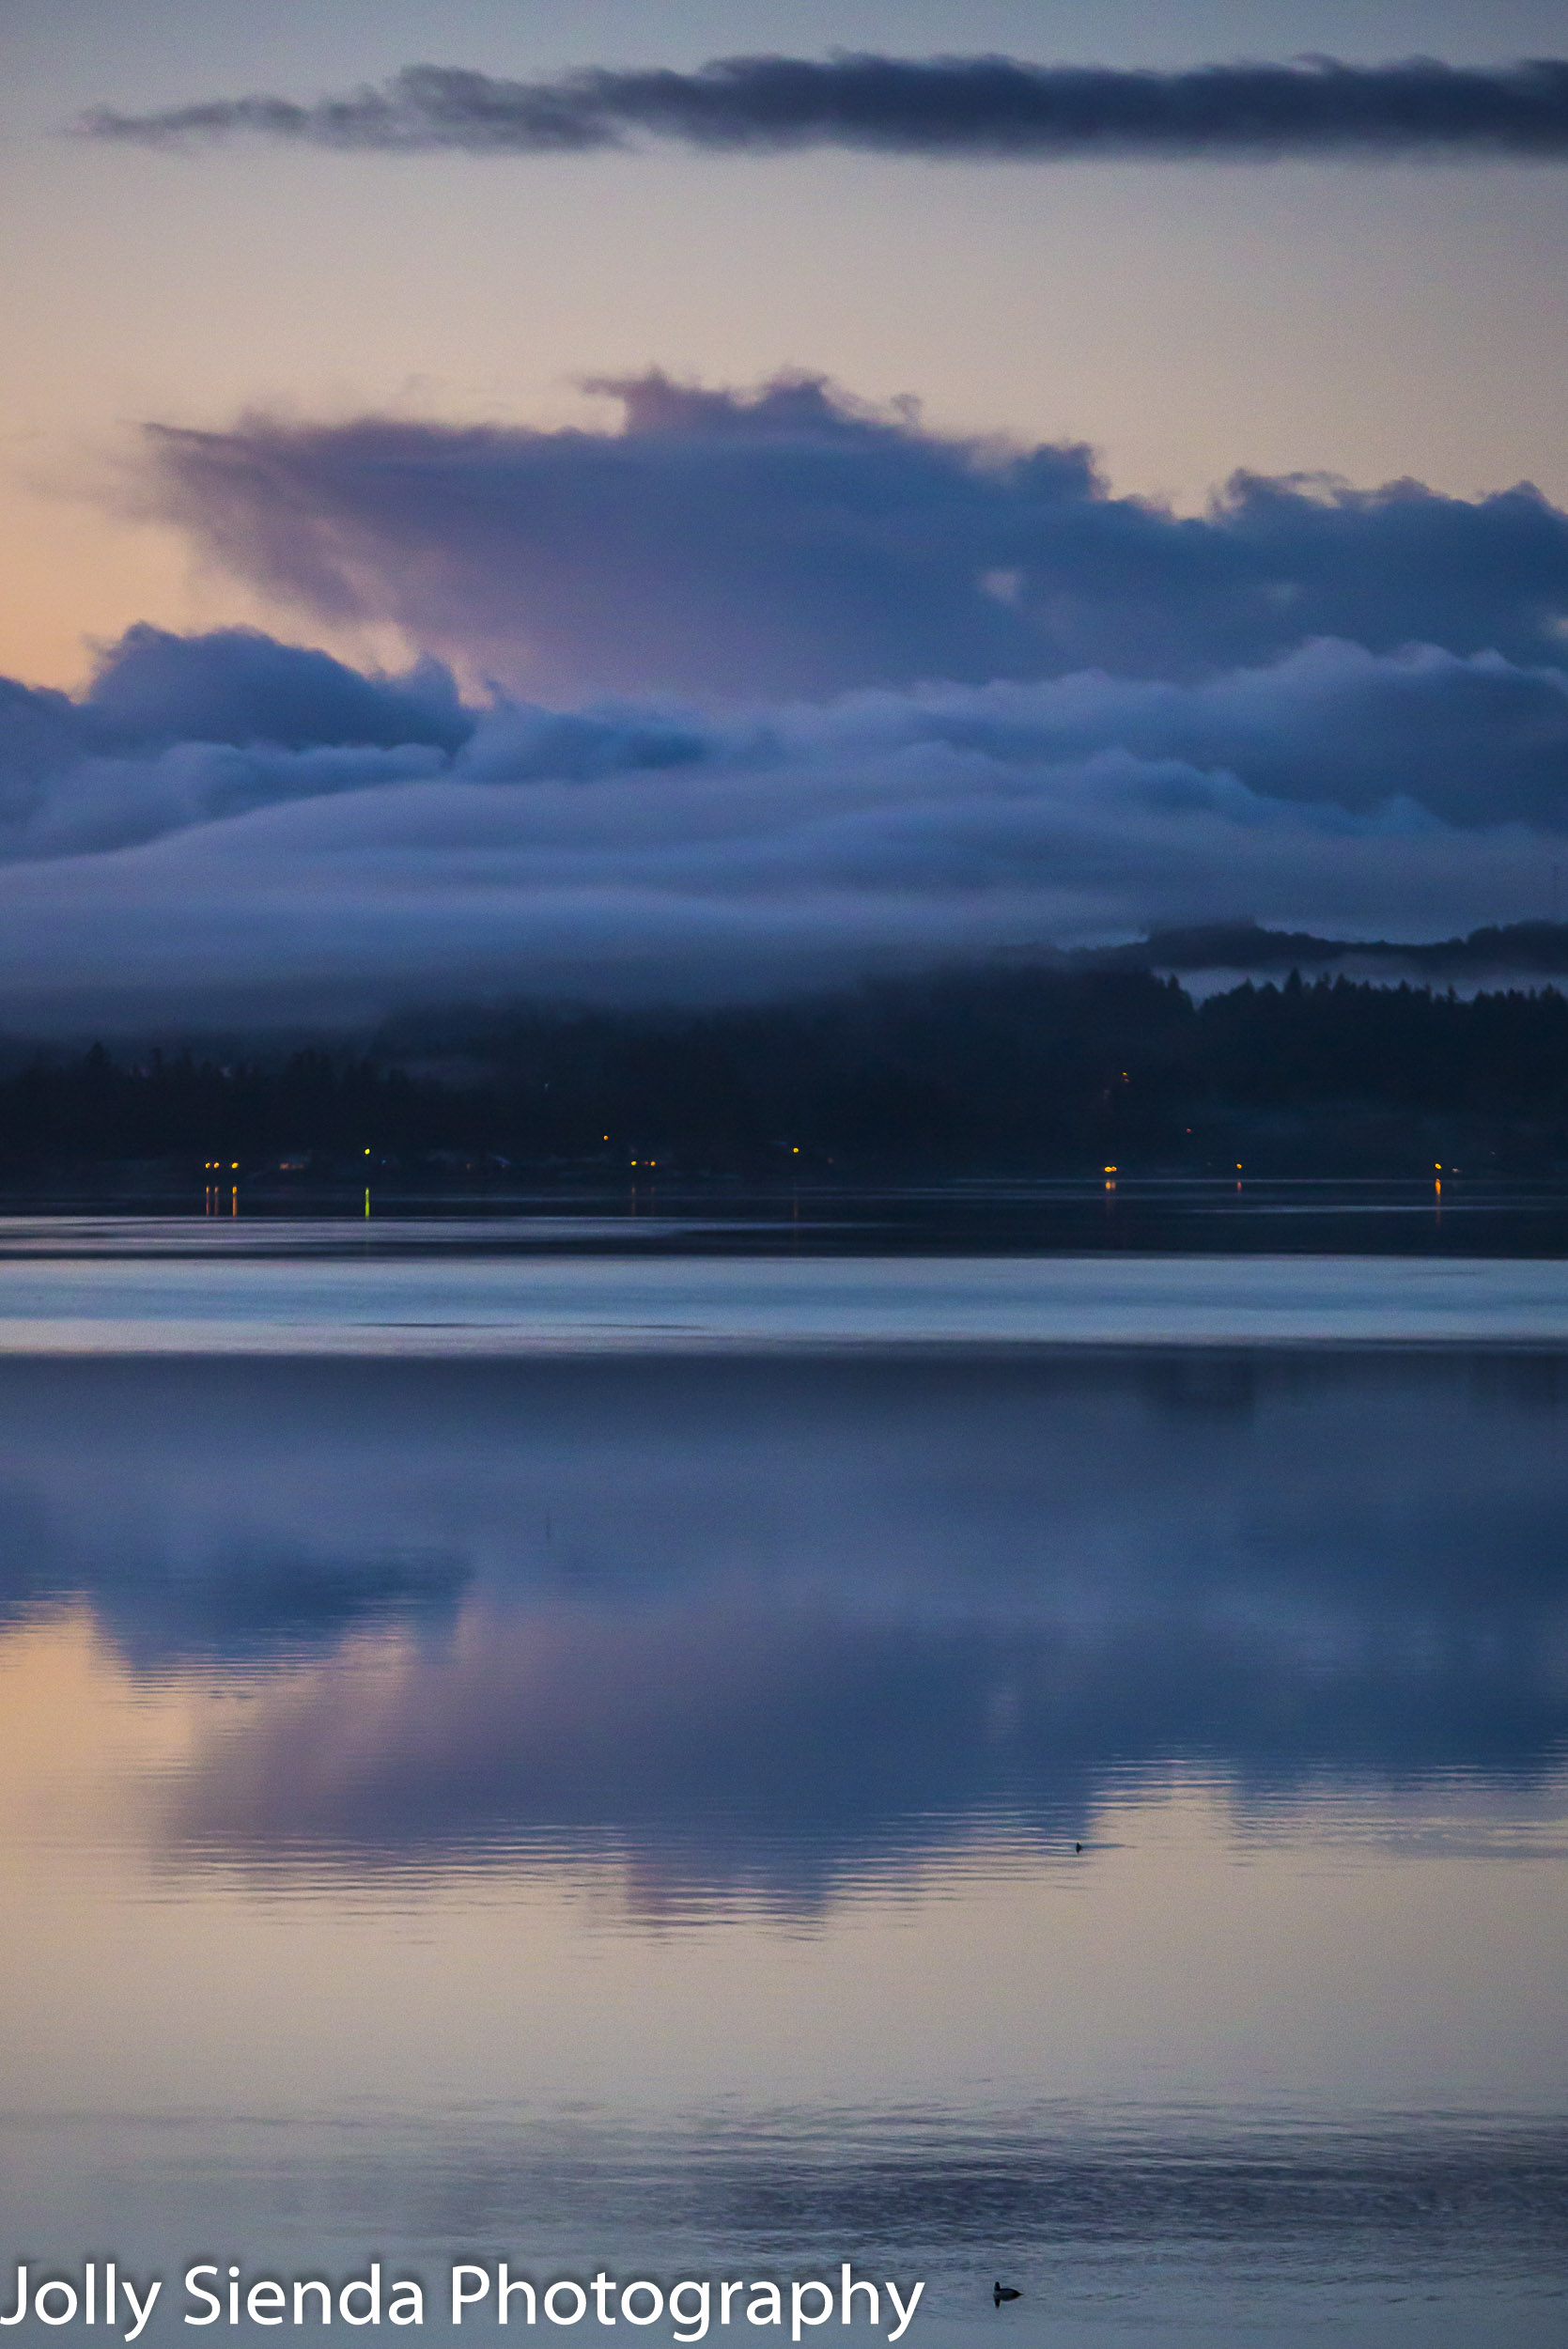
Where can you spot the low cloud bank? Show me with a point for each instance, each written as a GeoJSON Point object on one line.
{"type": "Point", "coordinates": [790, 539]}
{"type": "Point", "coordinates": [227, 827]}
{"type": "Point", "coordinates": [978, 106]}
{"type": "Point", "coordinates": [715, 765]}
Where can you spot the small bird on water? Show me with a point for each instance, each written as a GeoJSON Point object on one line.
{"type": "Point", "coordinates": [1004, 2292]}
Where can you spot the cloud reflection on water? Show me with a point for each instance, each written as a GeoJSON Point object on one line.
{"type": "Point", "coordinates": [775, 1629]}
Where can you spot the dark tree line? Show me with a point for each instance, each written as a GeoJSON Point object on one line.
{"type": "Point", "coordinates": [997, 1069]}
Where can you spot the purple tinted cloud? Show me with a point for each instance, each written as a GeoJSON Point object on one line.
{"type": "Point", "coordinates": [636, 852]}
{"type": "Point", "coordinates": [236, 685]}
{"type": "Point", "coordinates": [976, 106]}
{"type": "Point", "coordinates": [1324, 707]}
{"type": "Point", "coordinates": [791, 540]}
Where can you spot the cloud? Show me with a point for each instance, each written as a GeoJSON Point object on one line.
{"type": "Point", "coordinates": [627, 852]}
{"type": "Point", "coordinates": [177, 730]}
{"type": "Point", "coordinates": [792, 540]}
{"type": "Point", "coordinates": [236, 685]}
{"type": "Point", "coordinates": [978, 106]}
{"type": "Point", "coordinates": [824, 693]}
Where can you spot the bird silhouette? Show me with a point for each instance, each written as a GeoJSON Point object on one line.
{"type": "Point", "coordinates": [1004, 2292]}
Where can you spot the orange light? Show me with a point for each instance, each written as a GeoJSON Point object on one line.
{"type": "Point", "coordinates": [1108, 1169]}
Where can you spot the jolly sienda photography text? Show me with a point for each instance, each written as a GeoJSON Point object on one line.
{"type": "Point", "coordinates": [105, 2294]}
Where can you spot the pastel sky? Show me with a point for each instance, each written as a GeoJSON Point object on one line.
{"type": "Point", "coordinates": [363, 370]}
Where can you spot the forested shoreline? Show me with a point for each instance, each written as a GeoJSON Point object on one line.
{"type": "Point", "coordinates": [1008, 1071]}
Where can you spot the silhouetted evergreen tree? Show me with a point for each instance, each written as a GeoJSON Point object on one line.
{"type": "Point", "coordinates": [1010, 1068]}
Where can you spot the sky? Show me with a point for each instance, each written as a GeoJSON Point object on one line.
{"type": "Point", "coordinates": [578, 522]}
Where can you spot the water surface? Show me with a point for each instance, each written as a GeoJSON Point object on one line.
{"type": "Point", "coordinates": [880, 1773]}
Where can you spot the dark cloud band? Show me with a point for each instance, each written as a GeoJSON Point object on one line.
{"type": "Point", "coordinates": [985, 106]}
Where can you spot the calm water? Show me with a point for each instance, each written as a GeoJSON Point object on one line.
{"type": "Point", "coordinates": [516, 1747]}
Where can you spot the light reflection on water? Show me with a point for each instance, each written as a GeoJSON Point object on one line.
{"type": "Point", "coordinates": [380, 1304]}
{"type": "Point", "coordinates": [619, 1808]}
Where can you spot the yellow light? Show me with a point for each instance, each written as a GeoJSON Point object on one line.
{"type": "Point", "coordinates": [1108, 1169]}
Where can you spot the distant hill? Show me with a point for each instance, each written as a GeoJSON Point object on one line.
{"type": "Point", "coordinates": [1032, 1068]}
{"type": "Point", "coordinates": [1522, 949]}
